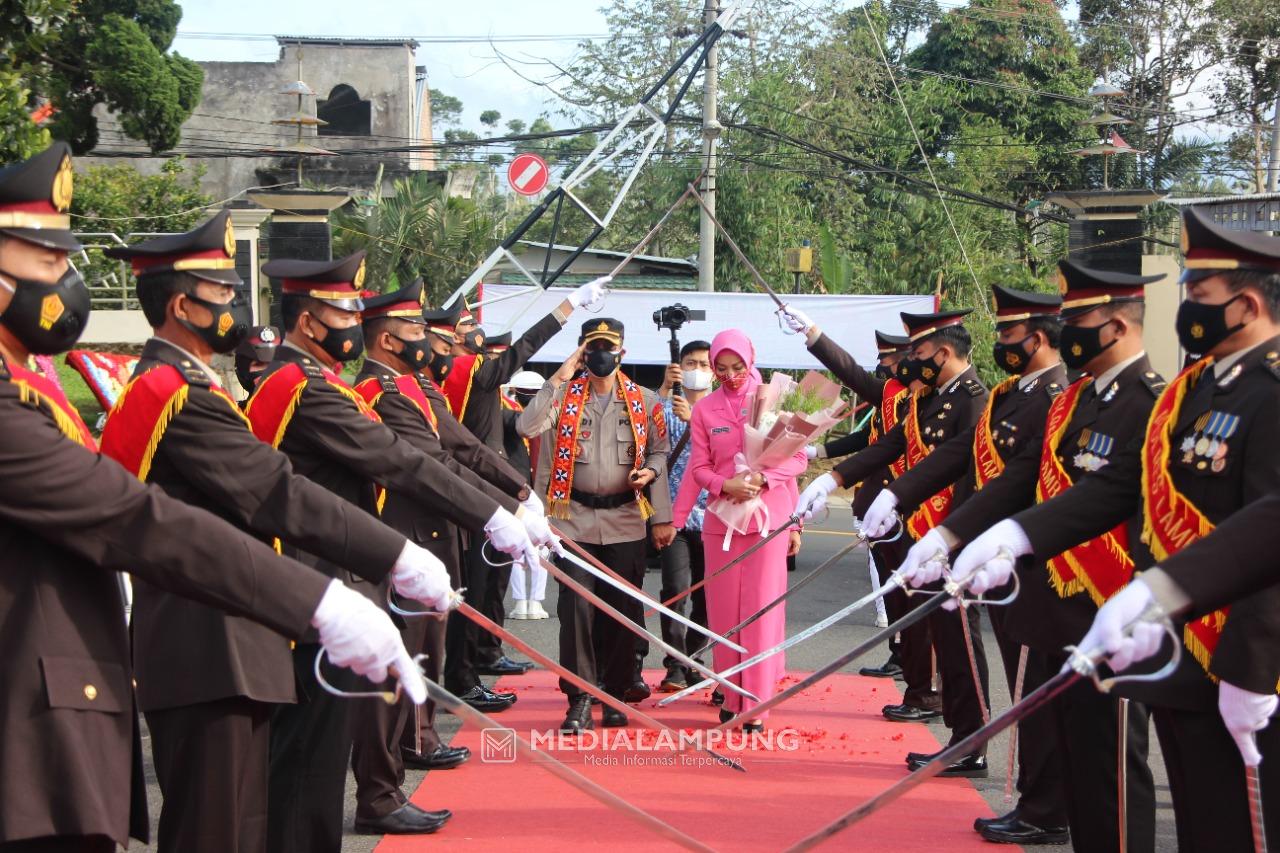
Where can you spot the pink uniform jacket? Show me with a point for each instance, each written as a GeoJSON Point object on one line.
{"type": "Point", "coordinates": [716, 435]}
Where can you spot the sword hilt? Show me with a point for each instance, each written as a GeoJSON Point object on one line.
{"type": "Point", "coordinates": [1085, 662]}
{"type": "Point", "coordinates": [455, 601]}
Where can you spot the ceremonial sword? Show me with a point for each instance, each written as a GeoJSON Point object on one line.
{"type": "Point", "coordinates": [894, 582]}
{"type": "Point", "coordinates": [764, 540]}
{"type": "Point", "coordinates": [552, 765]}
{"type": "Point", "coordinates": [587, 595]}
{"type": "Point", "coordinates": [1079, 665]}
{"type": "Point", "coordinates": [951, 590]}
{"type": "Point", "coordinates": [800, 584]}
{"type": "Point", "coordinates": [594, 567]}
{"type": "Point", "coordinates": [1253, 789]}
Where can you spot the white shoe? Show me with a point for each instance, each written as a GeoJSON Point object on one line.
{"type": "Point", "coordinates": [535, 611]}
{"type": "Point", "coordinates": [520, 611]}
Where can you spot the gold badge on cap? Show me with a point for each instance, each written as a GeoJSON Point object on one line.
{"type": "Point", "coordinates": [422, 297]}
{"type": "Point", "coordinates": [51, 308]}
{"type": "Point", "coordinates": [358, 281]}
{"type": "Point", "coordinates": [225, 322]}
{"type": "Point", "coordinates": [63, 185]}
{"type": "Point", "coordinates": [603, 327]}
{"type": "Point", "coordinates": [229, 240]}
{"type": "Point", "coordinates": [1062, 283]}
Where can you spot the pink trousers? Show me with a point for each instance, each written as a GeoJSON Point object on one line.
{"type": "Point", "coordinates": [737, 594]}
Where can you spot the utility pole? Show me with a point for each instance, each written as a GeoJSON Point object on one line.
{"type": "Point", "coordinates": [710, 140]}
{"type": "Point", "coordinates": [1273, 162]}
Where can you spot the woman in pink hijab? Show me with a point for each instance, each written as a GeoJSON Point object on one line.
{"type": "Point", "coordinates": [716, 434]}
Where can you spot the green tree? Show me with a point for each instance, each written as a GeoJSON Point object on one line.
{"type": "Point", "coordinates": [446, 110]}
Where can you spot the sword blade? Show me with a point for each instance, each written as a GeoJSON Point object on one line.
{"type": "Point", "coordinates": [815, 628]}
{"type": "Point", "coordinates": [1032, 702]}
{"type": "Point", "coordinates": [578, 681]}
{"type": "Point", "coordinates": [764, 540]}
{"type": "Point", "coordinates": [1122, 772]}
{"type": "Point", "coordinates": [630, 590]}
{"type": "Point", "coordinates": [552, 765]}
{"type": "Point", "coordinates": [609, 610]}
{"type": "Point", "coordinates": [1253, 784]}
{"type": "Point", "coordinates": [794, 588]}
{"type": "Point", "coordinates": [844, 660]}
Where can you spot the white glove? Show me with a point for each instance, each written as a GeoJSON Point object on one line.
{"type": "Point", "coordinates": [814, 498]}
{"type": "Point", "coordinates": [878, 519]}
{"type": "Point", "coordinates": [1108, 629]}
{"type": "Point", "coordinates": [533, 503]}
{"type": "Point", "coordinates": [590, 293]}
{"type": "Point", "coordinates": [811, 451]}
{"type": "Point", "coordinates": [1245, 714]}
{"type": "Point", "coordinates": [796, 320]}
{"type": "Point", "coordinates": [420, 575]}
{"type": "Point", "coordinates": [988, 561]}
{"type": "Point", "coordinates": [358, 635]}
{"type": "Point", "coordinates": [926, 560]}
{"type": "Point", "coordinates": [509, 536]}
{"type": "Point", "coordinates": [539, 531]}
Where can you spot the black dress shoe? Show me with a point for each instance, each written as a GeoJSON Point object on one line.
{"type": "Point", "coordinates": [969, 767]}
{"type": "Point", "coordinates": [980, 822]}
{"type": "Point", "coordinates": [504, 666]}
{"type": "Point", "coordinates": [406, 820]}
{"type": "Point", "coordinates": [726, 716]}
{"type": "Point", "coordinates": [579, 717]}
{"type": "Point", "coordinates": [889, 669]}
{"type": "Point", "coordinates": [753, 728]}
{"type": "Point", "coordinates": [637, 691]}
{"type": "Point", "coordinates": [676, 679]}
{"type": "Point", "coordinates": [483, 699]}
{"type": "Point", "coordinates": [1012, 829]}
{"type": "Point", "coordinates": [612, 718]}
{"type": "Point", "coordinates": [717, 698]}
{"type": "Point", "coordinates": [905, 713]}
{"type": "Point", "coordinates": [440, 758]}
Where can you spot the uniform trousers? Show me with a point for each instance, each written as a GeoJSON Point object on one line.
{"type": "Point", "coordinates": [310, 749]}
{"type": "Point", "coordinates": [960, 708]}
{"type": "Point", "coordinates": [1040, 773]}
{"type": "Point", "coordinates": [683, 565]}
{"type": "Point", "coordinates": [418, 732]}
{"type": "Point", "coordinates": [211, 763]}
{"type": "Point", "coordinates": [1206, 778]}
{"type": "Point", "coordinates": [61, 844]}
{"type": "Point", "coordinates": [592, 644]}
{"type": "Point", "coordinates": [1086, 734]}
{"type": "Point", "coordinates": [488, 646]}
{"type": "Point", "coordinates": [462, 635]}
{"type": "Point", "coordinates": [914, 652]}
{"type": "Point", "coordinates": [735, 595]}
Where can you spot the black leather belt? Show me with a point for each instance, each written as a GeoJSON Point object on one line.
{"type": "Point", "coordinates": [602, 501]}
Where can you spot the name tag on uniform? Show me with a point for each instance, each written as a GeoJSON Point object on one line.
{"type": "Point", "coordinates": [718, 430]}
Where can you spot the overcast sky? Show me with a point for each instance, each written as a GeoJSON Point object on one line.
{"type": "Point", "coordinates": [467, 71]}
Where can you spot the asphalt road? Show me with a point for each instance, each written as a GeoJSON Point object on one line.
{"type": "Point", "coordinates": [840, 585]}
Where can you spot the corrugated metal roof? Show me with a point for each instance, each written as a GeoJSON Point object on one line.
{"type": "Point", "coordinates": [1224, 199]}
{"type": "Point", "coordinates": [339, 41]}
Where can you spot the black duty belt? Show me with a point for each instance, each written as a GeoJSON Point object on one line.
{"type": "Point", "coordinates": [602, 501]}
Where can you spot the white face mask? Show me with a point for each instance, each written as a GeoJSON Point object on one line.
{"type": "Point", "coordinates": [697, 380]}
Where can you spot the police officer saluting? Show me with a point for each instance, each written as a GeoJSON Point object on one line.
{"type": "Point", "coordinates": [609, 443]}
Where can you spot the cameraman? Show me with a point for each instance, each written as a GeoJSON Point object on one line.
{"type": "Point", "coordinates": [682, 560]}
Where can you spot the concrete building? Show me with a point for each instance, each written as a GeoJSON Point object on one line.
{"type": "Point", "coordinates": [369, 91]}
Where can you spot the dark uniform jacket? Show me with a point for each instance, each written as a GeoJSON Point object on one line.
{"type": "Point", "coordinates": [483, 415]}
{"type": "Point", "coordinates": [433, 531]}
{"type": "Point", "coordinates": [869, 387]}
{"type": "Point", "coordinates": [1248, 651]}
{"type": "Point", "coordinates": [1242, 553]}
{"type": "Point", "coordinates": [1039, 617]}
{"type": "Point", "coordinates": [185, 652]}
{"type": "Point", "coordinates": [69, 519]}
{"type": "Point", "coordinates": [333, 443]}
{"type": "Point", "coordinates": [1017, 421]}
{"type": "Point", "coordinates": [943, 415]}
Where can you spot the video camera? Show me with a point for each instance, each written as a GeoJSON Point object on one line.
{"type": "Point", "coordinates": [675, 316]}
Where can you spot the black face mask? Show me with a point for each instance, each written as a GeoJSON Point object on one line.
{"type": "Point", "coordinates": [231, 321]}
{"type": "Point", "coordinates": [439, 365]}
{"type": "Point", "coordinates": [925, 370]}
{"type": "Point", "coordinates": [524, 398]}
{"type": "Point", "coordinates": [1013, 358]}
{"type": "Point", "coordinates": [602, 363]}
{"type": "Point", "coordinates": [416, 354]}
{"type": "Point", "coordinates": [1202, 327]}
{"type": "Point", "coordinates": [884, 371]}
{"type": "Point", "coordinates": [1082, 344]}
{"type": "Point", "coordinates": [246, 374]}
{"type": "Point", "coordinates": [47, 319]}
{"type": "Point", "coordinates": [342, 344]}
{"type": "Point", "coordinates": [907, 371]}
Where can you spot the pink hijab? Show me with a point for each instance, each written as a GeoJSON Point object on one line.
{"type": "Point", "coordinates": [737, 342]}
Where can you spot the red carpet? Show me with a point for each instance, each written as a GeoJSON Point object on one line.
{"type": "Point", "coordinates": [841, 753]}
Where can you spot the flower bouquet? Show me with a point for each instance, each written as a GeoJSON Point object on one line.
{"type": "Point", "coordinates": [782, 417]}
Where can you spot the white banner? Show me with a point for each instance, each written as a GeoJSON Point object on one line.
{"type": "Point", "coordinates": [850, 320]}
